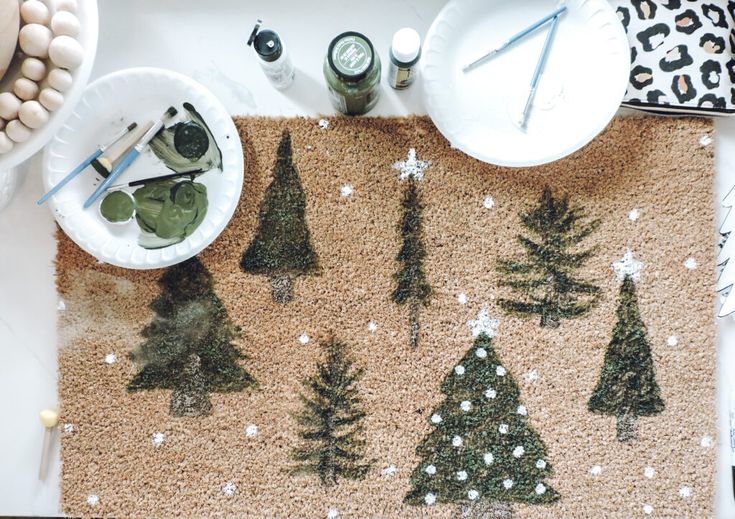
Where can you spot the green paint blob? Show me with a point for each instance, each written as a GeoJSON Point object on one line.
{"type": "Point", "coordinates": [117, 207]}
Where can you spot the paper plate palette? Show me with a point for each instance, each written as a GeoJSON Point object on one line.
{"type": "Point", "coordinates": [109, 104]}
{"type": "Point", "coordinates": [581, 89]}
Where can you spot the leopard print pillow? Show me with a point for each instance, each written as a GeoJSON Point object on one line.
{"type": "Point", "coordinates": [681, 55]}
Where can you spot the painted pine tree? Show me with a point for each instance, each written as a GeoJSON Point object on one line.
{"type": "Point", "coordinates": [545, 277]}
{"type": "Point", "coordinates": [188, 346]}
{"type": "Point", "coordinates": [482, 453]}
{"type": "Point", "coordinates": [332, 437]}
{"type": "Point", "coordinates": [627, 387]}
{"type": "Point", "coordinates": [412, 289]}
{"type": "Point", "coordinates": [282, 247]}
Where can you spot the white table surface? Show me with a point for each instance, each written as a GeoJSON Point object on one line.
{"type": "Point", "coordinates": [206, 40]}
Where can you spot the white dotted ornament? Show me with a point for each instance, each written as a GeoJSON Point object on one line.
{"type": "Point", "coordinates": [372, 327]}
{"type": "Point", "coordinates": [332, 513]}
{"type": "Point", "coordinates": [461, 475]}
{"type": "Point", "coordinates": [596, 470]}
{"type": "Point", "coordinates": [473, 495]}
{"type": "Point", "coordinates": [519, 451]}
{"type": "Point", "coordinates": [488, 458]}
{"type": "Point", "coordinates": [465, 405]}
{"type": "Point", "coordinates": [346, 190]}
{"type": "Point", "coordinates": [491, 393]}
{"type": "Point", "coordinates": [503, 428]}
{"type": "Point", "coordinates": [251, 430]}
{"type": "Point", "coordinates": [429, 499]}
{"type": "Point", "coordinates": [304, 339]}
{"type": "Point", "coordinates": [389, 471]}
{"type": "Point", "coordinates": [93, 500]}
{"type": "Point", "coordinates": [540, 464]}
{"type": "Point", "coordinates": [110, 358]}
{"type": "Point", "coordinates": [488, 203]}
{"type": "Point", "coordinates": [457, 441]}
{"type": "Point", "coordinates": [158, 439]}
{"type": "Point", "coordinates": [685, 492]}
{"type": "Point", "coordinates": [672, 341]}
{"type": "Point", "coordinates": [462, 298]}
{"type": "Point", "coordinates": [459, 370]}
{"type": "Point", "coordinates": [481, 353]}
{"type": "Point", "coordinates": [647, 509]}
{"type": "Point", "coordinates": [508, 483]}
{"type": "Point", "coordinates": [540, 489]}
{"type": "Point", "coordinates": [323, 124]}
{"type": "Point", "coordinates": [436, 418]}
{"type": "Point", "coordinates": [500, 371]}
{"type": "Point", "coordinates": [690, 263]}
{"type": "Point", "coordinates": [522, 410]}
{"type": "Point", "coordinates": [649, 472]}
{"type": "Point", "coordinates": [430, 470]}
{"type": "Point", "coordinates": [634, 214]}
{"type": "Point", "coordinates": [229, 489]}
{"type": "Point", "coordinates": [706, 442]}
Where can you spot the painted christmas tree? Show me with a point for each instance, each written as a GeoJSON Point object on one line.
{"type": "Point", "coordinates": [545, 277]}
{"type": "Point", "coordinates": [282, 247]}
{"type": "Point", "coordinates": [482, 453]}
{"type": "Point", "coordinates": [627, 387]}
{"type": "Point", "coordinates": [188, 345]}
{"type": "Point", "coordinates": [333, 444]}
{"type": "Point", "coordinates": [412, 289]}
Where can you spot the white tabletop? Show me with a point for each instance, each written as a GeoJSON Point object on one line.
{"type": "Point", "coordinates": [206, 40]}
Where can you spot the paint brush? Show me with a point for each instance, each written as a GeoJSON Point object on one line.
{"type": "Point", "coordinates": [516, 37]}
{"type": "Point", "coordinates": [86, 162]}
{"type": "Point", "coordinates": [130, 156]}
{"type": "Point", "coordinates": [143, 181]}
{"type": "Point", "coordinates": [49, 419]}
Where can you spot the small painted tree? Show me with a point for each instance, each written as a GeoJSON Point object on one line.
{"type": "Point", "coordinates": [188, 345]}
{"type": "Point", "coordinates": [282, 247]}
{"type": "Point", "coordinates": [333, 444]}
{"type": "Point", "coordinates": [627, 387]}
{"type": "Point", "coordinates": [545, 276]}
{"type": "Point", "coordinates": [411, 285]}
{"type": "Point", "coordinates": [482, 453]}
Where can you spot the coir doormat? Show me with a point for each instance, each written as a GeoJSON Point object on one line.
{"type": "Point", "coordinates": [389, 328]}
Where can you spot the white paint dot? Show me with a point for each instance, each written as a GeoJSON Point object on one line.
{"type": "Point", "coordinates": [690, 263]}
{"type": "Point", "coordinates": [465, 405]}
{"type": "Point", "coordinates": [540, 489]}
{"type": "Point", "coordinates": [540, 464]}
{"type": "Point", "coordinates": [596, 470]}
{"type": "Point", "coordinates": [706, 442]}
{"type": "Point", "coordinates": [481, 353]}
{"type": "Point", "coordinates": [110, 358]}
{"type": "Point", "coordinates": [649, 472]}
{"type": "Point", "coordinates": [488, 203]}
{"type": "Point", "coordinates": [522, 410]}
{"type": "Point", "coordinates": [309, 147]}
{"type": "Point", "coordinates": [158, 439]}
{"type": "Point", "coordinates": [436, 418]}
{"type": "Point", "coordinates": [672, 341]}
{"type": "Point", "coordinates": [430, 470]}
{"type": "Point", "coordinates": [251, 430]}
{"type": "Point", "coordinates": [60, 305]}
{"type": "Point", "coordinates": [462, 298]}
{"type": "Point", "coordinates": [488, 458]}
{"type": "Point", "coordinates": [93, 500]}
{"type": "Point", "coordinates": [459, 370]}
{"type": "Point", "coordinates": [304, 339]}
{"type": "Point", "coordinates": [503, 428]}
{"type": "Point", "coordinates": [229, 488]}
{"type": "Point", "coordinates": [457, 441]}
{"type": "Point", "coordinates": [519, 451]}
{"type": "Point", "coordinates": [634, 214]}
{"type": "Point", "coordinates": [500, 371]}
{"type": "Point", "coordinates": [461, 475]}
{"type": "Point", "coordinates": [372, 327]}
{"type": "Point", "coordinates": [532, 375]}
{"type": "Point", "coordinates": [473, 494]}
{"type": "Point", "coordinates": [491, 393]}
{"type": "Point", "coordinates": [323, 124]}
{"type": "Point", "coordinates": [705, 140]}
{"type": "Point", "coordinates": [647, 509]}
{"type": "Point", "coordinates": [508, 483]}
{"type": "Point", "coordinates": [429, 499]}
{"type": "Point", "coordinates": [332, 513]}
{"type": "Point", "coordinates": [390, 471]}
{"type": "Point", "coordinates": [685, 491]}
{"type": "Point", "coordinates": [68, 428]}
{"type": "Point", "coordinates": [346, 190]}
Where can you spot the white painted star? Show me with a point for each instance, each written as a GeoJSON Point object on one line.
{"type": "Point", "coordinates": [627, 266]}
{"type": "Point", "coordinates": [251, 430]}
{"type": "Point", "coordinates": [346, 190]}
{"type": "Point", "coordinates": [483, 324]}
{"type": "Point", "coordinates": [229, 488]}
{"type": "Point", "coordinates": [411, 167]}
{"type": "Point", "coordinates": [110, 358]}
{"type": "Point", "coordinates": [488, 203]}
{"type": "Point", "coordinates": [158, 439]}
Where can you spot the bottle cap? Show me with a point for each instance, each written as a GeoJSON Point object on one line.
{"type": "Point", "coordinates": [266, 43]}
{"type": "Point", "coordinates": [351, 56]}
{"type": "Point", "coordinates": [406, 45]}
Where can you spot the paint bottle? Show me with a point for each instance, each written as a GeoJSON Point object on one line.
{"type": "Point", "coordinates": [273, 57]}
{"type": "Point", "coordinates": [352, 72]}
{"type": "Point", "coordinates": [404, 54]}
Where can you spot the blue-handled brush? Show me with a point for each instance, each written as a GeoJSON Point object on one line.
{"type": "Point", "coordinates": [86, 162]}
{"type": "Point", "coordinates": [130, 157]}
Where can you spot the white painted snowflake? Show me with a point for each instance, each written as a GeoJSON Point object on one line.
{"type": "Point", "coordinates": [346, 190]}
{"type": "Point", "coordinates": [596, 470]}
{"type": "Point", "coordinates": [457, 441]}
{"type": "Point", "coordinates": [430, 470]}
{"type": "Point", "coordinates": [706, 442]}
{"type": "Point", "coordinates": [229, 488]}
{"type": "Point", "coordinates": [110, 358]}
{"type": "Point", "coordinates": [304, 339]}
{"type": "Point", "coordinates": [672, 341]}
{"type": "Point", "coordinates": [489, 458]}
{"type": "Point", "coordinates": [540, 464]}
{"type": "Point", "coordinates": [465, 405]}
{"type": "Point", "coordinates": [462, 298]}
{"type": "Point", "coordinates": [627, 266]}
{"type": "Point", "coordinates": [461, 475]}
{"type": "Point", "coordinates": [372, 327]}
{"type": "Point", "coordinates": [481, 353]}
{"type": "Point", "coordinates": [508, 483]}
{"type": "Point", "coordinates": [531, 375]}
{"type": "Point", "coordinates": [690, 263]}
{"type": "Point", "coordinates": [519, 451]}
{"type": "Point", "coordinates": [429, 499]}
{"type": "Point", "coordinates": [436, 418]}
{"type": "Point", "coordinates": [411, 167]}
{"type": "Point", "coordinates": [491, 393]}
{"type": "Point", "coordinates": [500, 371]}
{"type": "Point", "coordinates": [522, 410]}
{"type": "Point", "coordinates": [685, 492]}
{"type": "Point", "coordinates": [68, 428]}
{"type": "Point", "coordinates": [488, 203]}
{"type": "Point", "coordinates": [647, 509]}
{"type": "Point", "coordinates": [483, 324]}
{"type": "Point", "coordinates": [649, 472]}
{"type": "Point", "coordinates": [634, 214]}
{"type": "Point", "coordinates": [158, 439]}
{"type": "Point", "coordinates": [503, 428]}
{"type": "Point", "coordinates": [332, 513]}
{"type": "Point", "coordinates": [705, 140]}
{"type": "Point", "coordinates": [473, 495]}
{"type": "Point", "coordinates": [60, 305]}
{"type": "Point", "coordinates": [540, 489]}
{"type": "Point", "coordinates": [459, 370]}
{"type": "Point", "coordinates": [323, 124]}
{"type": "Point", "coordinates": [93, 500]}
{"type": "Point", "coordinates": [251, 430]}
{"type": "Point", "coordinates": [389, 471]}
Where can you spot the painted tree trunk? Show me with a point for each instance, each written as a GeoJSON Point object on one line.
{"type": "Point", "coordinates": [190, 397]}
{"type": "Point", "coordinates": [485, 510]}
{"type": "Point", "coordinates": [627, 427]}
{"type": "Point", "coordinates": [415, 328]}
{"type": "Point", "coordinates": [282, 288]}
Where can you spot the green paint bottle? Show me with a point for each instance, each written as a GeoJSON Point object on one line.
{"type": "Point", "coordinates": [352, 72]}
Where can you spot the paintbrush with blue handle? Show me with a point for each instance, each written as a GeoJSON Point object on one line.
{"type": "Point", "coordinates": [86, 162]}
{"type": "Point", "coordinates": [130, 157]}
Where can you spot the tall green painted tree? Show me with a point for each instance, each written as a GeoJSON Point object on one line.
{"type": "Point", "coordinates": [188, 346]}
{"type": "Point", "coordinates": [333, 443]}
{"type": "Point", "coordinates": [545, 277]}
{"type": "Point", "coordinates": [482, 453]}
{"type": "Point", "coordinates": [282, 247]}
{"type": "Point", "coordinates": [412, 289]}
{"type": "Point", "coordinates": [627, 387]}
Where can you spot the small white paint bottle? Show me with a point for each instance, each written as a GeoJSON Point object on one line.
{"type": "Point", "coordinates": [404, 54]}
{"type": "Point", "coordinates": [272, 56]}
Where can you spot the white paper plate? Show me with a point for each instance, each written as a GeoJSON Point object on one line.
{"type": "Point", "coordinates": [88, 20]}
{"type": "Point", "coordinates": [108, 104]}
{"type": "Point", "coordinates": [582, 87]}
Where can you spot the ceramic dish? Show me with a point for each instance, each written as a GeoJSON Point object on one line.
{"type": "Point", "coordinates": [108, 104]}
{"type": "Point", "coordinates": [583, 84]}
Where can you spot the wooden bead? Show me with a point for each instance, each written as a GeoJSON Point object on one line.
{"type": "Point", "coordinates": [51, 99]}
{"type": "Point", "coordinates": [17, 131]}
{"type": "Point", "coordinates": [34, 11]}
{"type": "Point", "coordinates": [34, 69]}
{"type": "Point", "coordinates": [65, 23]}
{"type": "Point", "coordinates": [32, 114]}
{"type": "Point", "coordinates": [5, 143]}
{"type": "Point", "coordinates": [25, 89]}
{"type": "Point", "coordinates": [9, 105]}
{"type": "Point", "coordinates": [34, 40]}
{"type": "Point", "coordinates": [59, 79]}
{"type": "Point", "coordinates": [66, 52]}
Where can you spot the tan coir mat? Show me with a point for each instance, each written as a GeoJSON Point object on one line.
{"type": "Point", "coordinates": [389, 328]}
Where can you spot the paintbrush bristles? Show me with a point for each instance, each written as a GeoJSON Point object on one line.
{"type": "Point", "coordinates": [132, 126]}
{"type": "Point", "coordinates": [171, 111]}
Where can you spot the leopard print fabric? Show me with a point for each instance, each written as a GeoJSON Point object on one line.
{"type": "Point", "coordinates": [681, 54]}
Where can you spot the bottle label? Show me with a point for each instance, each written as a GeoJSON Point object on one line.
{"type": "Point", "coordinates": [400, 77]}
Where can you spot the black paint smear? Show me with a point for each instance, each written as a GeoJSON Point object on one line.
{"type": "Point", "coordinates": [653, 32]}
{"type": "Point", "coordinates": [638, 71]}
{"type": "Point", "coordinates": [693, 24]}
{"type": "Point", "coordinates": [685, 93]}
{"type": "Point", "coordinates": [684, 59]}
{"type": "Point", "coordinates": [642, 5]}
{"type": "Point", "coordinates": [707, 68]}
{"type": "Point", "coordinates": [715, 14]}
{"type": "Point", "coordinates": [716, 41]}
{"type": "Point", "coordinates": [717, 102]}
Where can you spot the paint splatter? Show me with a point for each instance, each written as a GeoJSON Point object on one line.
{"type": "Point", "coordinates": [473, 494]}
{"type": "Point", "coordinates": [60, 305]}
{"type": "Point", "coordinates": [532, 375]}
{"type": "Point", "coordinates": [649, 472]}
{"type": "Point", "coordinates": [481, 353]}
{"type": "Point", "coordinates": [690, 263]}
{"type": "Point", "coordinates": [389, 471]}
{"type": "Point", "coordinates": [459, 370]}
{"type": "Point", "coordinates": [110, 358]}
{"type": "Point", "coordinates": [435, 418]}
{"type": "Point", "coordinates": [346, 190]}
{"type": "Point", "coordinates": [522, 410]}
{"type": "Point", "coordinates": [457, 441]}
{"type": "Point", "coordinates": [158, 439]}
{"type": "Point", "coordinates": [685, 492]}
{"type": "Point", "coordinates": [462, 298]}
{"type": "Point", "coordinates": [323, 124]}
{"type": "Point", "coordinates": [93, 500]}
{"type": "Point", "coordinates": [372, 327]}
{"type": "Point", "coordinates": [647, 509]}
{"type": "Point", "coordinates": [229, 489]}
{"type": "Point", "coordinates": [705, 140]}
{"type": "Point", "coordinates": [251, 430]}
{"type": "Point", "coordinates": [68, 428]}
{"type": "Point", "coordinates": [429, 499]}
{"type": "Point", "coordinates": [304, 339]}
{"type": "Point", "coordinates": [483, 324]}
{"type": "Point", "coordinates": [488, 203]}
{"type": "Point", "coordinates": [596, 470]}
{"type": "Point", "coordinates": [672, 341]}
{"type": "Point", "coordinates": [627, 266]}
{"type": "Point", "coordinates": [706, 442]}
{"type": "Point", "coordinates": [634, 214]}
{"type": "Point", "coordinates": [333, 513]}
{"type": "Point", "coordinates": [508, 483]}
